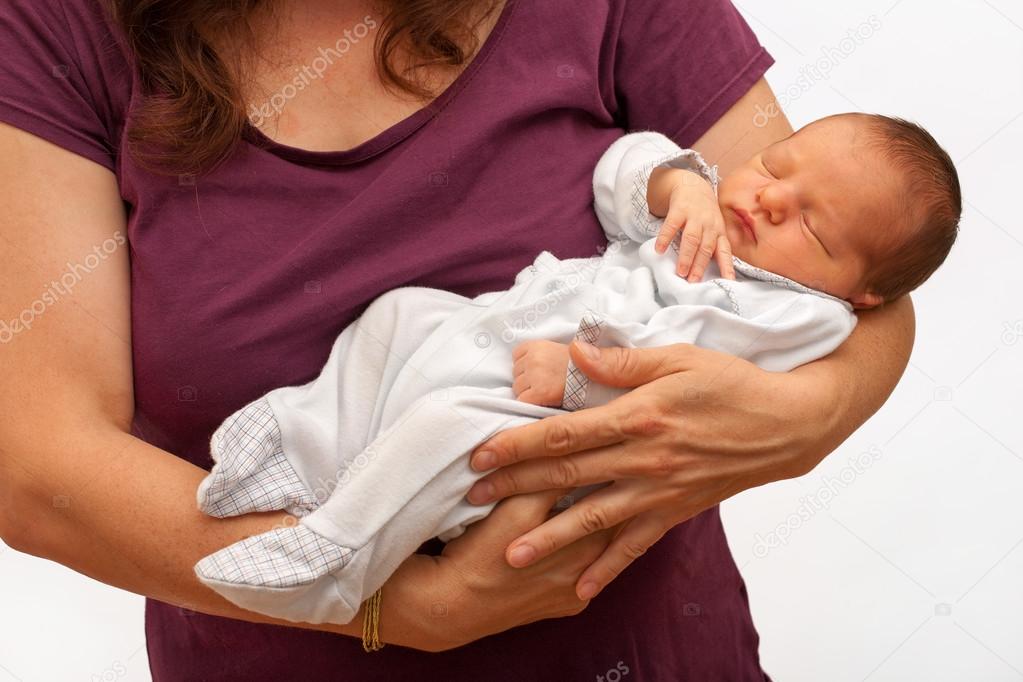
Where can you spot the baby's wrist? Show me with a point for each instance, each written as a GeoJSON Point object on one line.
{"type": "Point", "coordinates": [690, 186]}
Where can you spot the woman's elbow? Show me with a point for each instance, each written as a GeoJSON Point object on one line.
{"type": "Point", "coordinates": [12, 515]}
{"type": "Point", "coordinates": [22, 519]}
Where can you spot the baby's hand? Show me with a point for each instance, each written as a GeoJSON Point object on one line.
{"type": "Point", "coordinates": [694, 209]}
{"type": "Point", "coordinates": [540, 369]}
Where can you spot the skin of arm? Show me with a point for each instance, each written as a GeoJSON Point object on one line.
{"type": "Point", "coordinates": [699, 426]}
{"type": "Point", "coordinates": [77, 488]}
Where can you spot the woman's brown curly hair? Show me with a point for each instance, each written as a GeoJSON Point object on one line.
{"type": "Point", "coordinates": [192, 112]}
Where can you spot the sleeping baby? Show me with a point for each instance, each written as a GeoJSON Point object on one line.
{"type": "Point", "coordinates": [768, 264]}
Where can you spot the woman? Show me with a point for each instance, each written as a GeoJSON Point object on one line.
{"type": "Point", "coordinates": [267, 187]}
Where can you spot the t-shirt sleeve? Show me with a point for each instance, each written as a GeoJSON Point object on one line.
{"type": "Point", "coordinates": [679, 65]}
{"type": "Point", "coordinates": [55, 74]}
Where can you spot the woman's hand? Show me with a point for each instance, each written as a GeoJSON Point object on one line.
{"type": "Point", "coordinates": [700, 427]}
{"type": "Point", "coordinates": [470, 592]}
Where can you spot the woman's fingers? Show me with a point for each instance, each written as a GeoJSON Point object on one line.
{"type": "Point", "coordinates": [509, 518]}
{"type": "Point", "coordinates": [632, 367]}
{"type": "Point", "coordinates": [597, 511]}
{"type": "Point", "coordinates": [635, 538]}
{"type": "Point", "coordinates": [583, 468]}
{"type": "Point", "coordinates": [557, 435]}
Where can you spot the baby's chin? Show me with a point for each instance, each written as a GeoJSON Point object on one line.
{"type": "Point", "coordinates": [741, 247]}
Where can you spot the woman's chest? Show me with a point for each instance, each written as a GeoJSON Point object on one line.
{"type": "Point", "coordinates": [324, 92]}
{"type": "Point", "coordinates": [242, 279]}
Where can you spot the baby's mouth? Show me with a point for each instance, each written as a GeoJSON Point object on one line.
{"type": "Point", "coordinates": [746, 222]}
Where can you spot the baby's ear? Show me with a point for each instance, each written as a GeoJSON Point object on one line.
{"type": "Point", "coordinates": [866, 300]}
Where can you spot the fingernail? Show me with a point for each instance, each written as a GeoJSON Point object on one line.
{"type": "Point", "coordinates": [484, 460]}
{"type": "Point", "coordinates": [588, 590]}
{"type": "Point", "coordinates": [481, 492]}
{"type": "Point", "coordinates": [588, 349]}
{"type": "Point", "coordinates": [522, 555]}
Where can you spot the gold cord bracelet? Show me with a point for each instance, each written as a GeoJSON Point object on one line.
{"type": "Point", "coordinates": [371, 623]}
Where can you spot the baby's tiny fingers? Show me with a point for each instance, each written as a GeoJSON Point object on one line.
{"type": "Point", "coordinates": [520, 385]}
{"type": "Point", "coordinates": [724, 258]}
{"type": "Point", "coordinates": [703, 256]}
{"type": "Point", "coordinates": [691, 239]}
{"type": "Point", "coordinates": [668, 231]}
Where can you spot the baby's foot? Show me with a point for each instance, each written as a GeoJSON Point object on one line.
{"type": "Point", "coordinates": [285, 573]}
{"type": "Point", "coordinates": [251, 472]}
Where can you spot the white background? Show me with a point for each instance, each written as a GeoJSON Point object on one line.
{"type": "Point", "coordinates": [899, 557]}
{"type": "Point", "coordinates": [912, 569]}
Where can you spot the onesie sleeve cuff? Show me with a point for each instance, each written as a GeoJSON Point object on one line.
{"type": "Point", "coordinates": [685, 159]}
{"type": "Point", "coordinates": [580, 391]}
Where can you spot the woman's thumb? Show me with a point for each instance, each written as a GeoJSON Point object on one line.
{"type": "Point", "coordinates": [628, 367]}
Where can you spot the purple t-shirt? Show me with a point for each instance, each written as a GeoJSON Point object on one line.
{"type": "Point", "coordinates": [242, 280]}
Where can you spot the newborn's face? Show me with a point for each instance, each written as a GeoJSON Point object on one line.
{"type": "Point", "coordinates": [810, 207]}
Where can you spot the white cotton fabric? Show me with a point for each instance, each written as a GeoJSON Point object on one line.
{"type": "Point", "coordinates": [373, 454]}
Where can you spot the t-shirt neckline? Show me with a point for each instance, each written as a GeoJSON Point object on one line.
{"type": "Point", "coordinates": [397, 132]}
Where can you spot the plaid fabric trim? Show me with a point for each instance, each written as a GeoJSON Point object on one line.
{"type": "Point", "coordinates": [590, 328]}
{"type": "Point", "coordinates": [251, 472]}
{"type": "Point", "coordinates": [753, 272]}
{"type": "Point", "coordinates": [285, 557]}
{"type": "Point", "coordinates": [686, 159]}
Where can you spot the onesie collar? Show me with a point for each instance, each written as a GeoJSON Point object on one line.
{"type": "Point", "coordinates": [754, 272]}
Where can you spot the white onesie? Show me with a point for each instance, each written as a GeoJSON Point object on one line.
{"type": "Point", "coordinates": [373, 454]}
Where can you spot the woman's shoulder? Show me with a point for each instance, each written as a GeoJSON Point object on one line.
{"type": "Point", "coordinates": [688, 62]}
{"type": "Point", "coordinates": [73, 25]}
{"type": "Point", "coordinates": [66, 75]}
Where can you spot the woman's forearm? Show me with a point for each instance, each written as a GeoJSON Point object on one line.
{"type": "Point", "coordinates": [123, 512]}
{"type": "Point", "coordinates": [862, 373]}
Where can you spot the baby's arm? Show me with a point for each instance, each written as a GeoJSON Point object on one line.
{"type": "Point", "coordinates": [628, 209]}
{"type": "Point", "coordinates": [687, 202]}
